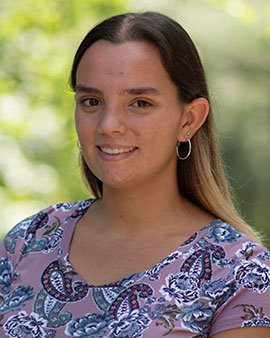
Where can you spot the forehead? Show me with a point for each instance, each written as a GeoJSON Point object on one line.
{"type": "Point", "coordinates": [134, 61]}
{"type": "Point", "coordinates": [103, 50]}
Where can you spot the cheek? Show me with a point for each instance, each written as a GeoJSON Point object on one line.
{"type": "Point", "coordinates": [161, 134]}
{"type": "Point", "coordinates": [85, 126]}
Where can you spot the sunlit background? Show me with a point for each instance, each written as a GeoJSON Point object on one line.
{"type": "Point", "coordinates": [38, 39]}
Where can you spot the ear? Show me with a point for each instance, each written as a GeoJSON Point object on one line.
{"type": "Point", "coordinates": [194, 116]}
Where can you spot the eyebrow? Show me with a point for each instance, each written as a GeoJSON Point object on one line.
{"type": "Point", "coordinates": [140, 91]}
{"type": "Point", "coordinates": [132, 91]}
{"type": "Point", "coordinates": [86, 89]}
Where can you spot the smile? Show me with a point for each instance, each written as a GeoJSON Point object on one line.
{"type": "Point", "coordinates": [116, 151]}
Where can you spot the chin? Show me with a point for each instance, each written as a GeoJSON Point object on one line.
{"type": "Point", "coordinates": [117, 183]}
{"type": "Point", "coordinates": [115, 180]}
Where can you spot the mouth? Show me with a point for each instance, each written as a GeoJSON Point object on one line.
{"type": "Point", "coordinates": [116, 151]}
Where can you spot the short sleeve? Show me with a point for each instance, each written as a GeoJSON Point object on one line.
{"type": "Point", "coordinates": [10, 253]}
{"type": "Point", "coordinates": [14, 246]}
{"type": "Point", "coordinates": [249, 304]}
{"type": "Point", "coordinates": [6, 270]}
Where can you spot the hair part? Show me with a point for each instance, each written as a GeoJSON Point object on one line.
{"type": "Point", "coordinates": [201, 178]}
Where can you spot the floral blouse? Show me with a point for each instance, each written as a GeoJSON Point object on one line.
{"type": "Point", "coordinates": [218, 279]}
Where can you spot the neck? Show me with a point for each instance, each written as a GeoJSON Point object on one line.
{"type": "Point", "coordinates": [140, 209]}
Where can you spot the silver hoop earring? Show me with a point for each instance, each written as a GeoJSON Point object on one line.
{"type": "Point", "coordinates": [79, 145]}
{"type": "Point", "coordinates": [177, 150]}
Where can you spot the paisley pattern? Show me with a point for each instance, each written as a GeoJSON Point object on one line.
{"type": "Point", "coordinates": [58, 284]}
{"type": "Point", "coordinates": [216, 273]}
{"type": "Point", "coordinates": [199, 264]}
{"type": "Point", "coordinates": [50, 309]}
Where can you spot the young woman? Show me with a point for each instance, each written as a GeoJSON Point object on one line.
{"type": "Point", "coordinates": [161, 249]}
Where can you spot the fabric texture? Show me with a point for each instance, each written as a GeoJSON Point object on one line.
{"type": "Point", "coordinates": [216, 280]}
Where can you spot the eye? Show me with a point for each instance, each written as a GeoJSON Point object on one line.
{"type": "Point", "coordinates": [89, 102]}
{"type": "Point", "coordinates": [142, 104]}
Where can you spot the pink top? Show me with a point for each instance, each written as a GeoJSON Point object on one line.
{"type": "Point", "coordinates": [218, 279]}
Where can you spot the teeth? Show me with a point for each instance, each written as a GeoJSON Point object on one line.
{"type": "Point", "coordinates": [116, 150]}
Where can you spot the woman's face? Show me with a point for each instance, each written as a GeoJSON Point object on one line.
{"type": "Point", "coordinates": [128, 114]}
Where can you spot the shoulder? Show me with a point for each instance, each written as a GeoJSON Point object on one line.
{"type": "Point", "coordinates": [240, 279]}
{"type": "Point", "coordinates": [46, 221]}
{"type": "Point", "coordinates": [239, 254]}
{"type": "Point", "coordinates": [233, 241]}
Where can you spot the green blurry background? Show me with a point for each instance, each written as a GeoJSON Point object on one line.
{"type": "Point", "coordinates": [38, 155]}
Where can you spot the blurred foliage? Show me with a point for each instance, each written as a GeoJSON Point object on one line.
{"type": "Point", "coordinates": [38, 156]}
{"type": "Point", "coordinates": [38, 39]}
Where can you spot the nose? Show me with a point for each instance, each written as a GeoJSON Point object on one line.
{"type": "Point", "coordinates": [111, 121]}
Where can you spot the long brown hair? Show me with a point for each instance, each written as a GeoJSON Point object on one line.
{"type": "Point", "coordinates": [201, 177]}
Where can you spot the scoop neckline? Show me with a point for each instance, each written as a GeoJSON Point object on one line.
{"type": "Point", "coordinates": [137, 275]}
